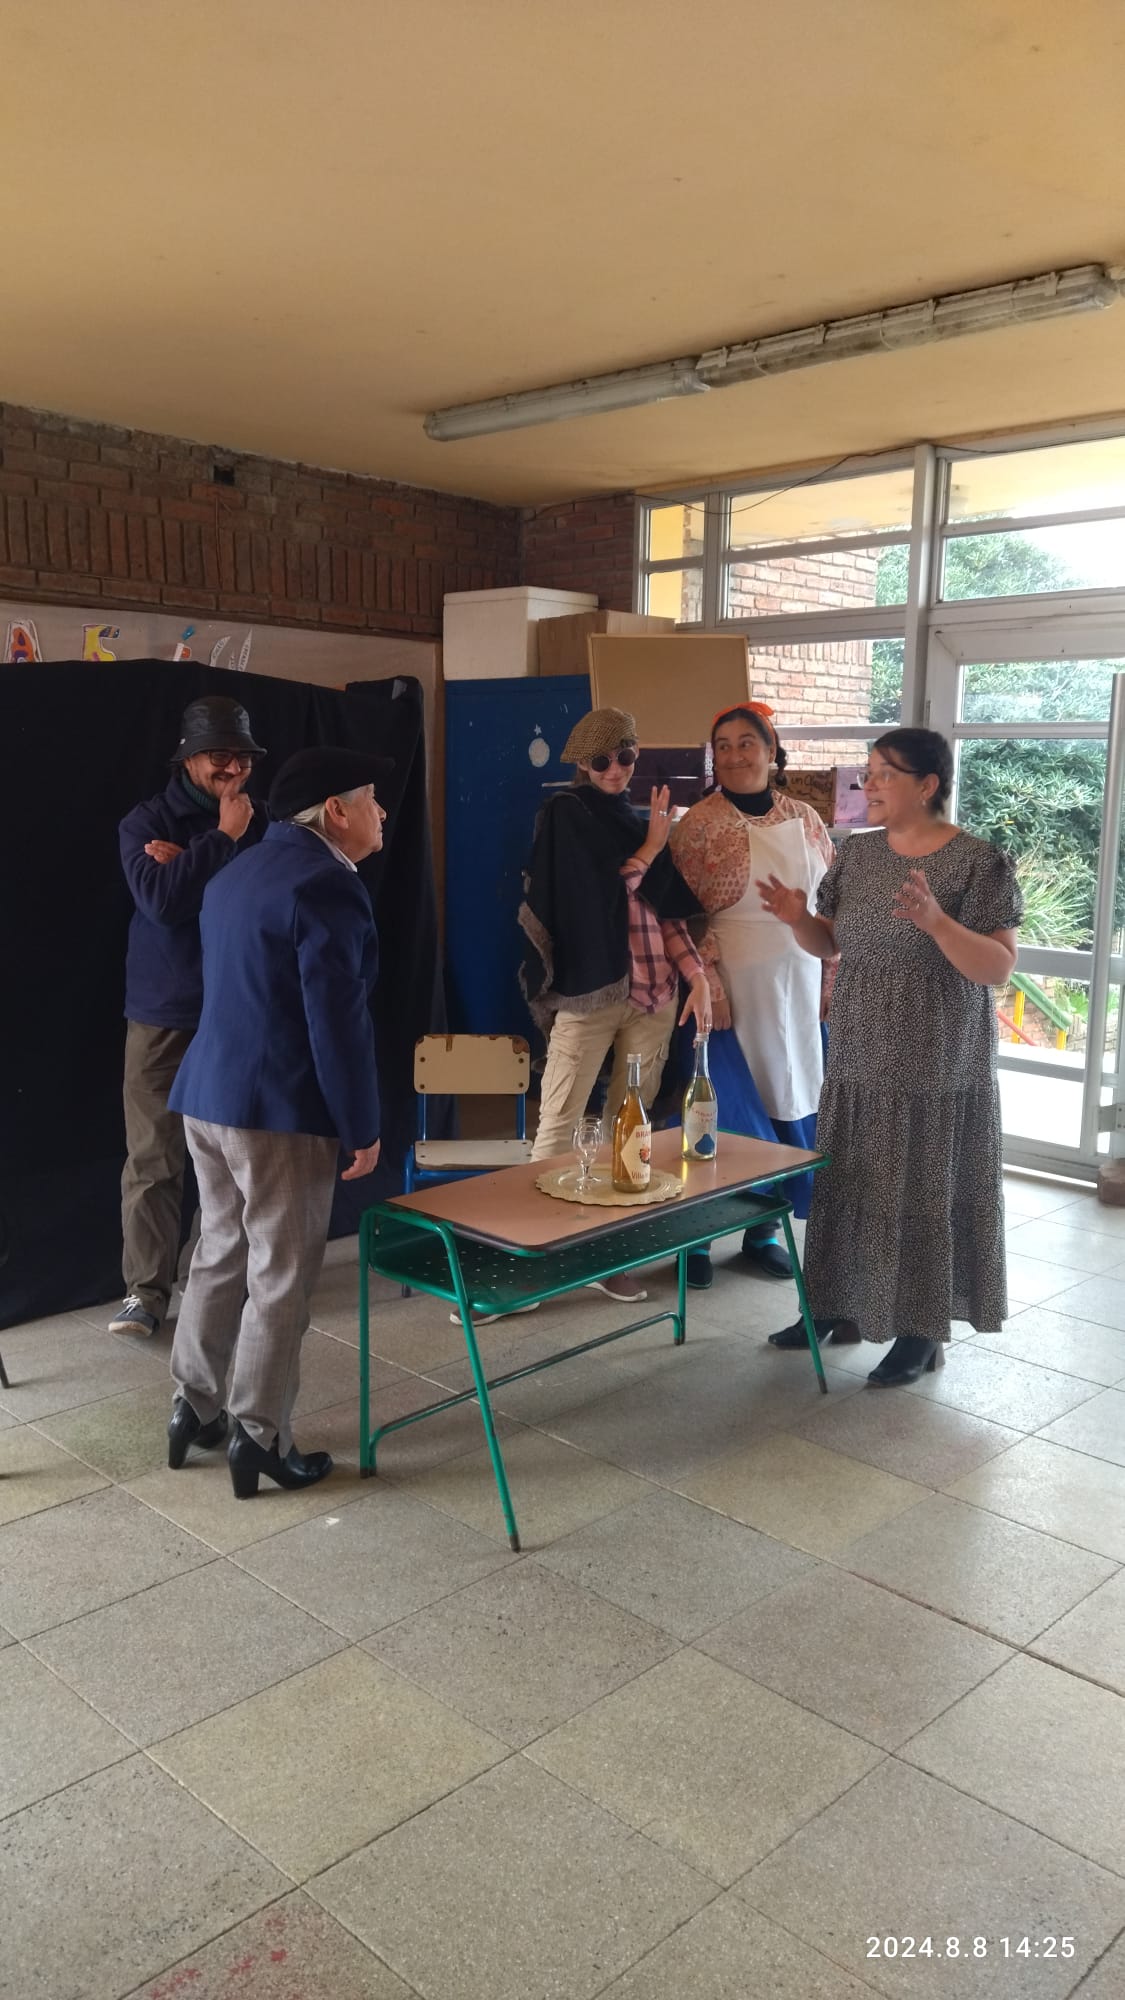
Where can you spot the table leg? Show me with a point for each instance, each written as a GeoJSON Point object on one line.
{"type": "Point", "coordinates": [802, 1296]}
{"type": "Point", "coordinates": [481, 1386]}
{"type": "Point", "coordinates": [681, 1300]}
{"type": "Point", "coordinates": [366, 1453]}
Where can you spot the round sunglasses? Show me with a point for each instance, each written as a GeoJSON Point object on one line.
{"type": "Point", "coordinates": [626, 757]}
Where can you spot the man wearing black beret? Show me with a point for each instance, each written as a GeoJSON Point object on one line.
{"type": "Point", "coordinates": [280, 1075]}
{"type": "Point", "coordinates": [171, 846]}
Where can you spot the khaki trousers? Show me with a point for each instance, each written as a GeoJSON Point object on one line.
{"type": "Point", "coordinates": [265, 1200]}
{"type": "Point", "coordinates": [575, 1053]}
{"type": "Point", "coordinates": [152, 1185]}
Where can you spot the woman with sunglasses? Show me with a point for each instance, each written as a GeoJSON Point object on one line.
{"type": "Point", "coordinates": [906, 1230]}
{"type": "Point", "coordinates": [768, 1069]}
{"type": "Point", "coordinates": [604, 914]}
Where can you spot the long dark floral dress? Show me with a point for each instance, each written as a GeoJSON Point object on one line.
{"type": "Point", "coordinates": [906, 1231]}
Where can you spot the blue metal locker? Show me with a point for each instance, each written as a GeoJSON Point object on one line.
{"type": "Point", "coordinates": [502, 745]}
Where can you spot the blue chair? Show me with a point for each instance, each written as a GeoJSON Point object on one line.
{"type": "Point", "coordinates": [468, 1066]}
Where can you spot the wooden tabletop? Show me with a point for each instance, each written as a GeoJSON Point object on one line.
{"type": "Point", "coordinates": [506, 1208]}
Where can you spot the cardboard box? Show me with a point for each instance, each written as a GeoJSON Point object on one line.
{"type": "Point", "coordinates": [492, 634]}
{"type": "Point", "coordinates": [674, 683]}
{"type": "Point", "coordinates": [562, 641]}
{"type": "Point", "coordinates": [836, 794]}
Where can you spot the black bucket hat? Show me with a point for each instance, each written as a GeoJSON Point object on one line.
{"type": "Point", "coordinates": [215, 722]}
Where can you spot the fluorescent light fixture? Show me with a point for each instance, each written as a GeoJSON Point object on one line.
{"type": "Point", "coordinates": [1082, 288]}
{"type": "Point", "coordinates": [1085, 288]}
{"type": "Point", "coordinates": [589, 398]}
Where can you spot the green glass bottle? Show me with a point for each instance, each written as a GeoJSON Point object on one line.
{"type": "Point", "coordinates": [701, 1109]}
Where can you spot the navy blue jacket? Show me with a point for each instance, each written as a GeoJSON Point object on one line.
{"type": "Point", "coordinates": [285, 1042]}
{"type": "Point", "coordinates": [163, 968]}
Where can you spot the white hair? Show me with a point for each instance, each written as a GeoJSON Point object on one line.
{"type": "Point", "coordinates": [314, 815]}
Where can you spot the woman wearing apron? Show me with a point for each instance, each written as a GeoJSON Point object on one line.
{"type": "Point", "coordinates": [767, 1050]}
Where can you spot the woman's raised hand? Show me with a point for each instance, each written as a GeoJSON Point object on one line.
{"type": "Point", "coordinates": [659, 820]}
{"type": "Point", "coordinates": [788, 905]}
{"type": "Point", "coordinates": [915, 900]}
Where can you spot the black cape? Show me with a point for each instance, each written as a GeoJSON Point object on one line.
{"type": "Point", "coordinates": [575, 912]}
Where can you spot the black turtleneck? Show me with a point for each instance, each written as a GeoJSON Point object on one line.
{"type": "Point", "coordinates": [753, 804]}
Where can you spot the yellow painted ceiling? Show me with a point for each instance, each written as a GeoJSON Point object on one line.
{"type": "Point", "coordinates": [294, 229]}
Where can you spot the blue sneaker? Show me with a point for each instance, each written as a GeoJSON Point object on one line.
{"type": "Point", "coordinates": [133, 1318]}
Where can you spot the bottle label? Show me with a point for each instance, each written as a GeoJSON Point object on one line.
{"type": "Point", "coordinates": [700, 1125]}
{"type": "Point", "coordinates": [636, 1156]}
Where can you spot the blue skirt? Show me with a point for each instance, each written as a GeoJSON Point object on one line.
{"type": "Point", "coordinates": [741, 1108]}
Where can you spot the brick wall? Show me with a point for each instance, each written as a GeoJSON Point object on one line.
{"type": "Point", "coordinates": [95, 515]}
{"type": "Point", "coordinates": [582, 545]}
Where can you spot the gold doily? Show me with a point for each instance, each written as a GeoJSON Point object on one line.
{"type": "Point", "coordinates": [562, 1182]}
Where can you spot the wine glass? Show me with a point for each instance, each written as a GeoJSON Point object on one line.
{"type": "Point", "coordinates": [587, 1139]}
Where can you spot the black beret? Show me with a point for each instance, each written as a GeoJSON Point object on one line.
{"type": "Point", "coordinates": [315, 775]}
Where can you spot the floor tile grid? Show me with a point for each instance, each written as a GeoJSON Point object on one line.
{"type": "Point", "coordinates": [533, 1427]}
{"type": "Point", "coordinates": [896, 1757]}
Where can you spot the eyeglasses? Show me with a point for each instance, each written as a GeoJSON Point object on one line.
{"type": "Point", "coordinates": [626, 757]}
{"type": "Point", "coordinates": [238, 757]}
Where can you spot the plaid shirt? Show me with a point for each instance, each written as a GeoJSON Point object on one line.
{"type": "Point", "coordinates": [660, 952]}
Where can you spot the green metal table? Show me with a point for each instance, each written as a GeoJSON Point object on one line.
{"type": "Point", "coordinates": [496, 1243]}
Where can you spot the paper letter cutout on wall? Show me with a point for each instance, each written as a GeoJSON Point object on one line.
{"type": "Point", "coordinates": [22, 644]}
{"type": "Point", "coordinates": [94, 641]}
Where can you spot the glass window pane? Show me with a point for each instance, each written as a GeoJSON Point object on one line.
{"type": "Point", "coordinates": [1059, 479]}
{"type": "Point", "coordinates": [812, 510]}
{"type": "Point", "coordinates": [675, 593]}
{"type": "Point", "coordinates": [1042, 1107]}
{"type": "Point", "coordinates": [1040, 691]}
{"type": "Point", "coordinates": [1042, 803]}
{"type": "Point", "coordinates": [841, 580]}
{"type": "Point", "coordinates": [835, 680]}
{"type": "Point", "coordinates": [1083, 555]}
{"type": "Point", "coordinates": [675, 530]}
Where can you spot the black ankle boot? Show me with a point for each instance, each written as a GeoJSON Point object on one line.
{"type": "Point", "coordinates": [795, 1335]}
{"type": "Point", "coordinates": [184, 1429]}
{"type": "Point", "coordinates": [908, 1359]}
{"type": "Point", "coordinates": [248, 1461]}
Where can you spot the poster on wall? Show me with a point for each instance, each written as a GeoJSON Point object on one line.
{"type": "Point", "coordinates": [22, 643]}
{"type": "Point", "coordinates": [37, 632]}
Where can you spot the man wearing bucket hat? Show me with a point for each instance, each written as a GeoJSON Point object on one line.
{"type": "Point", "coordinates": [171, 847]}
{"type": "Point", "coordinates": [280, 1075]}
{"type": "Point", "coordinates": [604, 914]}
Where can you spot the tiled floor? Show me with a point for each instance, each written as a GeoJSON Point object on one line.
{"type": "Point", "coordinates": [778, 1684]}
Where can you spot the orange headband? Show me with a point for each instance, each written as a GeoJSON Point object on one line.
{"type": "Point", "coordinates": [758, 708]}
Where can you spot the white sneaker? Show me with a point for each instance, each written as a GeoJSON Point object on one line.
{"type": "Point", "coordinates": [623, 1287]}
{"type": "Point", "coordinates": [486, 1319]}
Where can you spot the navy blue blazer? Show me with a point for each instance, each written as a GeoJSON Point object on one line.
{"type": "Point", "coordinates": [163, 969]}
{"type": "Point", "coordinates": [285, 1041]}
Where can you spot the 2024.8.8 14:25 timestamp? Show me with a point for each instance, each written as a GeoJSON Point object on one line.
{"type": "Point", "coordinates": [970, 1947]}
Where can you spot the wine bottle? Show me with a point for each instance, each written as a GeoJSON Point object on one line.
{"type": "Point", "coordinates": [701, 1108]}
{"type": "Point", "coordinates": [632, 1136]}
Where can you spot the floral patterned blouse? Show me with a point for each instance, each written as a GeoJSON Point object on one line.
{"type": "Point", "coordinates": [712, 853]}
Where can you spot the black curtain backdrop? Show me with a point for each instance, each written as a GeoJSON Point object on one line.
{"type": "Point", "coordinates": [83, 743]}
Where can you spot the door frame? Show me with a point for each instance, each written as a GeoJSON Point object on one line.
{"type": "Point", "coordinates": [993, 635]}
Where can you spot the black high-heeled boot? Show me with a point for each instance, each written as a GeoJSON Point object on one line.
{"type": "Point", "coordinates": [908, 1359]}
{"type": "Point", "coordinates": [248, 1461]}
{"type": "Point", "coordinates": [185, 1428]}
{"type": "Point", "coordinates": [843, 1332]}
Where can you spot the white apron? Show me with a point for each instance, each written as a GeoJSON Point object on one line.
{"type": "Point", "coordinates": [774, 986]}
